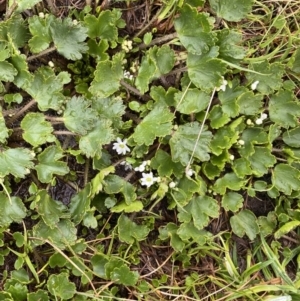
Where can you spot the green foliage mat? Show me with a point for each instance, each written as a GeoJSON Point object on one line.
{"type": "Point", "coordinates": [133, 165]}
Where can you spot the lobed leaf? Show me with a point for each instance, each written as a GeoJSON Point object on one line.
{"type": "Point", "coordinates": [130, 232]}
{"type": "Point", "coordinates": [12, 210]}
{"type": "Point", "coordinates": [36, 129]}
{"type": "Point", "coordinates": [232, 10]}
{"type": "Point", "coordinates": [16, 161]}
{"type": "Point", "coordinates": [107, 77]}
{"type": "Point", "coordinates": [286, 178]}
{"type": "Point", "coordinates": [243, 223]}
{"type": "Point", "coordinates": [183, 142]}
{"type": "Point", "coordinates": [49, 164]}
{"type": "Point", "coordinates": [199, 210]}
{"type": "Point", "coordinates": [194, 30]}
{"type": "Point", "coordinates": [158, 123]}
{"type": "Point", "coordinates": [69, 38]}
{"type": "Point", "coordinates": [78, 116]}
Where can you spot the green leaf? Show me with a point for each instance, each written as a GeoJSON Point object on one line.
{"type": "Point", "coordinates": [229, 98]}
{"type": "Point", "coordinates": [107, 77]}
{"type": "Point", "coordinates": [292, 137]}
{"type": "Point", "coordinates": [252, 136]}
{"type": "Point", "coordinates": [191, 101]}
{"type": "Point", "coordinates": [230, 181]}
{"type": "Point", "coordinates": [165, 165]}
{"type": "Point", "coordinates": [229, 49]}
{"type": "Point", "coordinates": [286, 228]}
{"type": "Point", "coordinates": [286, 178]}
{"type": "Point", "coordinates": [283, 109]}
{"type": "Point", "coordinates": [98, 49]}
{"type": "Point", "coordinates": [135, 206]}
{"type": "Point", "coordinates": [199, 209]}
{"type": "Point", "coordinates": [49, 164]}
{"type": "Point", "coordinates": [156, 62]}
{"type": "Point", "coordinates": [37, 131]}
{"type": "Point", "coordinates": [62, 236]}
{"type": "Point", "coordinates": [49, 210]}
{"type": "Point", "coordinates": [250, 103]}
{"type": "Point", "coordinates": [123, 275]}
{"type": "Point", "coordinates": [270, 79]}
{"type": "Point", "coordinates": [79, 117]}
{"type": "Point", "coordinates": [241, 167]}
{"type": "Point", "coordinates": [46, 88]}
{"type": "Point", "coordinates": [114, 184]}
{"type": "Point", "coordinates": [243, 223]}
{"type": "Point", "coordinates": [194, 30]}
{"type": "Point", "coordinates": [205, 72]}
{"type": "Point", "coordinates": [14, 31]}
{"type": "Point", "coordinates": [267, 224]}
{"type": "Point", "coordinates": [105, 26]}
{"type": "Point", "coordinates": [11, 210]}
{"type": "Point", "coordinates": [111, 108]}
{"type": "Point", "coordinates": [171, 231]}
{"type": "Point", "coordinates": [130, 232]}
{"type": "Point", "coordinates": [39, 295]}
{"type": "Point", "coordinates": [232, 10]}
{"type": "Point", "coordinates": [16, 161]}
{"type": "Point", "coordinates": [92, 143]}
{"type": "Point", "coordinates": [80, 204]}
{"type": "Point", "coordinates": [24, 77]}
{"type": "Point", "coordinates": [7, 72]}
{"type": "Point", "coordinates": [60, 286]}
{"type": "Point", "coordinates": [261, 160]}
{"type": "Point", "coordinates": [26, 4]}
{"type": "Point", "coordinates": [69, 38]}
{"type": "Point", "coordinates": [5, 52]}
{"type": "Point", "coordinates": [232, 201]}
{"type": "Point", "coordinates": [223, 139]}
{"type": "Point", "coordinates": [183, 142]}
{"type": "Point", "coordinates": [188, 231]}
{"type": "Point", "coordinates": [98, 180]}
{"type": "Point", "coordinates": [217, 117]}
{"type": "Point", "coordinates": [294, 62]}
{"type": "Point", "coordinates": [40, 30]}
{"type": "Point", "coordinates": [158, 123]}
{"type": "Point", "coordinates": [4, 133]}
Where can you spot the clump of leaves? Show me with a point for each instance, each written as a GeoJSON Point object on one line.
{"type": "Point", "coordinates": [87, 110]}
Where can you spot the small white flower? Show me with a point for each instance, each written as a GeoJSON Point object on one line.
{"type": "Point", "coordinates": [189, 172]}
{"type": "Point", "coordinates": [172, 184]}
{"type": "Point", "coordinates": [51, 64]}
{"type": "Point", "coordinates": [41, 15]}
{"type": "Point", "coordinates": [140, 168]}
{"type": "Point", "coordinates": [249, 122]}
{"type": "Point", "coordinates": [254, 85]}
{"type": "Point", "coordinates": [147, 179]}
{"type": "Point", "coordinates": [263, 116]}
{"type": "Point", "coordinates": [258, 121]}
{"type": "Point", "coordinates": [223, 86]}
{"type": "Point", "coordinates": [231, 157]}
{"type": "Point", "coordinates": [121, 146]}
{"type": "Point", "coordinates": [75, 22]}
{"type": "Point", "coordinates": [241, 142]}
